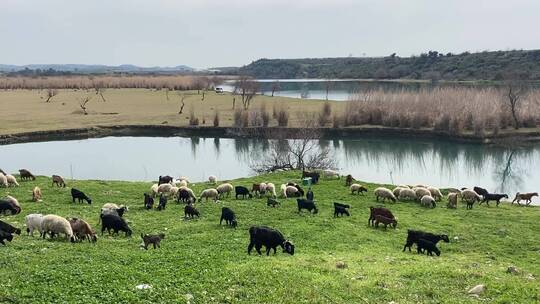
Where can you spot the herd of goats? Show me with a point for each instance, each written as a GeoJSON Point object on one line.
{"type": "Point", "coordinates": [111, 216]}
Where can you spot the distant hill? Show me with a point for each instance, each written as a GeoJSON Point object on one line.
{"type": "Point", "coordinates": [95, 69]}
{"type": "Point", "coordinates": [431, 65]}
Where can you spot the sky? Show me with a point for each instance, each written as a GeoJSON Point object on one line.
{"type": "Point", "coordinates": [205, 33]}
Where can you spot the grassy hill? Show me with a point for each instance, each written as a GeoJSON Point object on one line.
{"type": "Point", "coordinates": [207, 263]}
{"type": "Point", "coordinates": [431, 65]}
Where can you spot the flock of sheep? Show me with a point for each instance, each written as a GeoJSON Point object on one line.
{"type": "Point", "coordinates": [111, 215]}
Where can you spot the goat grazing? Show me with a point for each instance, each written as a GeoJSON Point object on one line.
{"type": "Point", "coordinates": [270, 238]}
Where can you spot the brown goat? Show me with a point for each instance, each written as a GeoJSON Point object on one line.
{"type": "Point", "coordinates": [58, 180]}
{"type": "Point", "coordinates": [385, 220]}
{"type": "Point", "coordinates": [82, 230]}
{"type": "Point", "coordinates": [527, 197]}
{"type": "Point", "coordinates": [374, 211]}
{"type": "Point", "coordinates": [348, 180]}
{"type": "Point", "coordinates": [36, 194]}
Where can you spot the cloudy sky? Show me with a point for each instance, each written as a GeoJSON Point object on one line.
{"type": "Point", "coordinates": [205, 33]}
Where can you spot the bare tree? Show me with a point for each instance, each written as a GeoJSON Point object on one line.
{"type": "Point", "coordinates": [182, 102]}
{"type": "Point", "coordinates": [100, 89]}
{"type": "Point", "coordinates": [275, 87]}
{"type": "Point", "coordinates": [516, 89]}
{"type": "Point", "coordinates": [83, 101]}
{"type": "Point", "coordinates": [247, 89]}
{"type": "Point", "coordinates": [328, 85]}
{"type": "Point", "coordinates": [50, 94]}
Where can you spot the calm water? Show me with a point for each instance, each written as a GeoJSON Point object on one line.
{"type": "Point", "coordinates": [379, 160]}
{"type": "Point", "coordinates": [338, 89]}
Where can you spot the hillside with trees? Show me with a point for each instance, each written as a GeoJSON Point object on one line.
{"type": "Point", "coordinates": [431, 65]}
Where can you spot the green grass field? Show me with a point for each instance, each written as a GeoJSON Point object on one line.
{"type": "Point", "coordinates": [202, 262]}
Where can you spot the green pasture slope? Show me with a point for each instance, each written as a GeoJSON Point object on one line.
{"type": "Point", "coordinates": [202, 262]}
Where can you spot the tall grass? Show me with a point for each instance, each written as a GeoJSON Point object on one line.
{"type": "Point", "coordinates": [171, 82]}
{"type": "Point", "coordinates": [452, 110]}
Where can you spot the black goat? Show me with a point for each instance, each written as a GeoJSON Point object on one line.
{"type": "Point", "coordinates": [341, 209]}
{"type": "Point", "coordinates": [272, 202]}
{"type": "Point", "coordinates": [8, 206]}
{"type": "Point", "coordinates": [493, 197]}
{"type": "Point", "coordinates": [8, 228]}
{"type": "Point", "coordinates": [228, 215]}
{"type": "Point", "coordinates": [5, 236]}
{"type": "Point", "coordinates": [165, 179]}
{"type": "Point", "coordinates": [162, 202]}
{"type": "Point", "coordinates": [480, 191]}
{"type": "Point", "coordinates": [243, 191]}
{"type": "Point", "coordinates": [429, 246]}
{"type": "Point", "coordinates": [190, 211]}
{"type": "Point", "coordinates": [414, 235]}
{"type": "Point", "coordinates": [305, 204]}
{"type": "Point", "coordinates": [114, 222]}
{"type": "Point", "coordinates": [270, 238]}
{"type": "Point", "coordinates": [148, 201]}
{"type": "Point", "coordinates": [80, 196]}
{"type": "Point", "coordinates": [185, 196]}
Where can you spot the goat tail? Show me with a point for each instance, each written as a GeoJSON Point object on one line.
{"type": "Point", "coordinates": [516, 197]}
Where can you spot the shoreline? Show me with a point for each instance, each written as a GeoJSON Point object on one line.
{"type": "Point", "coordinates": [264, 132]}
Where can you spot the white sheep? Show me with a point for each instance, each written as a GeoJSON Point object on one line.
{"type": "Point", "coordinates": [420, 192]}
{"type": "Point", "coordinates": [54, 224]}
{"type": "Point", "coordinates": [154, 189]}
{"type": "Point", "coordinates": [180, 183]}
{"type": "Point", "coordinates": [291, 191]}
{"type": "Point", "coordinates": [406, 194]}
{"type": "Point", "coordinates": [404, 186]}
{"type": "Point", "coordinates": [212, 179]}
{"type": "Point", "coordinates": [191, 193]}
{"type": "Point", "coordinates": [282, 190]}
{"type": "Point", "coordinates": [33, 221]}
{"type": "Point", "coordinates": [452, 200]}
{"type": "Point", "coordinates": [427, 201]}
{"type": "Point", "coordinates": [209, 193]}
{"type": "Point", "coordinates": [384, 193]}
{"type": "Point", "coordinates": [262, 188]}
{"type": "Point", "coordinates": [271, 188]}
{"type": "Point", "coordinates": [435, 193]}
{"type": "Point", "coordinates": [13, 201]}
{"type": "Point", "coordinates": [110, 206]}
{"type": "Point", "coordinates": [164, 188]}
{"type": "Point", "coordinates": [470, 196]}
{"type": "Point", "coordinates": [357, 188]}
{"type": "Point", "coordinates": [174, 190]}
{"type": "Point", "coordinates": [3, 180]}
{"type": "Point", "coordinates": [330, 174]}
{"type": "Point", "coordinates": [397, 190]}
{"type": "Point", "coordinates": [36, 194]}
{"type": "Point", "coordinates": [11, 180]}
{"type": "Point", "coordinates": [225, 188]}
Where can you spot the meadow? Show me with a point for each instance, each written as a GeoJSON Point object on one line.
{"type": "Point", "coordinates": [203, 262]}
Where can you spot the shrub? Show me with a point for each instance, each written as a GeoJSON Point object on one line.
{"type": "Point", "coordinates": [337, 121]}
{"type": "Point", "coordinates": [282, 116]}
{"type": "Point", "coordinates": [264, 115]}
{"type": "Point", "coordinates": [193, 121]}
{"type": "Point", "coordinates": [216, 119]}
{"type": "Point", "coordinates": [325, 115]}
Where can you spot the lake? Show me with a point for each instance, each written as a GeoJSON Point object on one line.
{"type": "Point", "coordinates": [338, 89]}
{"type": "Point", "coordinates": [397, 160]}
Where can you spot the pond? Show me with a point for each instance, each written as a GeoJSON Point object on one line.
{"type": "Point", "coordinates": [395, 160]}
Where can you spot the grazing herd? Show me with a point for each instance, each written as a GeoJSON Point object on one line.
{"type": "Point", "coordinates": [111, 216]}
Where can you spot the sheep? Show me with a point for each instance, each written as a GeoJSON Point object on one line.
{"type": "Point", "coordinates": [12, 181]}
{"type": "Point", "coordinates": [404, 186]}
{"type": "Point", "coordinates": [385, 220]}
{"type": "Point", "coordinates": [357, 188]}
{"type": "Point", "coordinates": [305, 204]}
{"type": "Point", "coordinates": [183, 178]}
{"type": "Point", "coordinates": [8, 206]}
{"type": "Point", "coordinates": [427, 201]}
{"type": "Point", "coordinates": [430, 247]}
{"type": "Point", "coordinates": [174, 191]}
{"type": "Point", "coordinates": [25, 174]}
{"type": "Point", "coordinates": [2, 172]}
{"type": "Point", "coordinates": [212, 179]}
{"type": "Point", "coordinates": [80, 196]}
{"type": "Point", "coordinates": [407, 194]}
{"type": "Point", "coordinates": [5, 236]}
{"type": "Point", "coordinates": [300, 190]}
{"type": "Point", "coordinates": [527, 197]}
{"type": "Point", "coordinates": [330, 174]}
{"type": "Point", "coordinates": [9, 228]}
{"type": "Point", "coordinates": [374, 211]}
{"type": "Point", "coordinates": [186, 195]}
{"type": "Point", "coordinates": [58, 181]}
{"type": "Point", "coordinates": [114, 222]}
{"type": "Point", "coordinates": [13, 201]}
{"type": "Point", "coordinates": [162, 203]}
{"type": "Point", "coordinates": [154, 190]}
{"type": "Point", "coordinates": [165, 180]}
{"type": "Point", "coordinates": [164, 188]}
{"type": "Point", "coordinates": [3, 180]}
{"type": "Point", "coordinates": [315, 176]}
{"type": "Point", "coordinates": [470, 197]}
{"type": "Point", "coordinates": [349, 180]}
{"type": "Point", "coordinates": [148, 201]}
{"type": "Point", "coordinates": [191, 211]}
{"type": "Point", "coordinates": [414, 235]}
{"type": "Point", "coordinates": [209, 193]}
{"type": "Point", "coordinates": [111, 208]}
{"type": "Point", "coordinates": [396, 191]}
{"type": "Point", "coordinates": [272, 202]}
{"type": "Point", "coordinates": [435, 193]}
{"type": "Point", "coordinates": [54, 224]}
{"type": "Point", "coordinates": [493, 197]}
{"type": "Point", "coordinates": [271, 188]}
{"type": "Point", "coordinates": [82, 230]}
{"type": "Point", "coordinates": [270, 238]}
{"type": "Point", "coordinates": [420, 192]}
{"type": "Point", "coordinates": [225, 188]}
{"type": "Point", "coordinates": [180, 183]}
{"type": "Point", "coordinates": [36, 194]}
{"type": "Point", "coordinates": [291, 191]}
{"type": "Point", "coordinates": [229, 217]}
{"type": "Point", "coordinates": [33, 222]}
{"type": "Point", "coordinates": [452, 200]}
{"type": "Point", "coordinates": [258, 189]}
{"type": "Point", "coordinates": [243, 191]}
{"type": "Point", "coordinates": [283, 191]}
{"type": "Point", "coordinates": [340, 209]}
{"type": "Point", "coordinates": [384, 193]}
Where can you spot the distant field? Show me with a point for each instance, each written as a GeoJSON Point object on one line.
{"type": "Point", "coordinates": [26, 110]}
{"type": "Point", "coordinates": [209, 263]}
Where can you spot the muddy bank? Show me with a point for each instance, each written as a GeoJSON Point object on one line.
{"type": "Point", "coordinates": [271, 132]}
